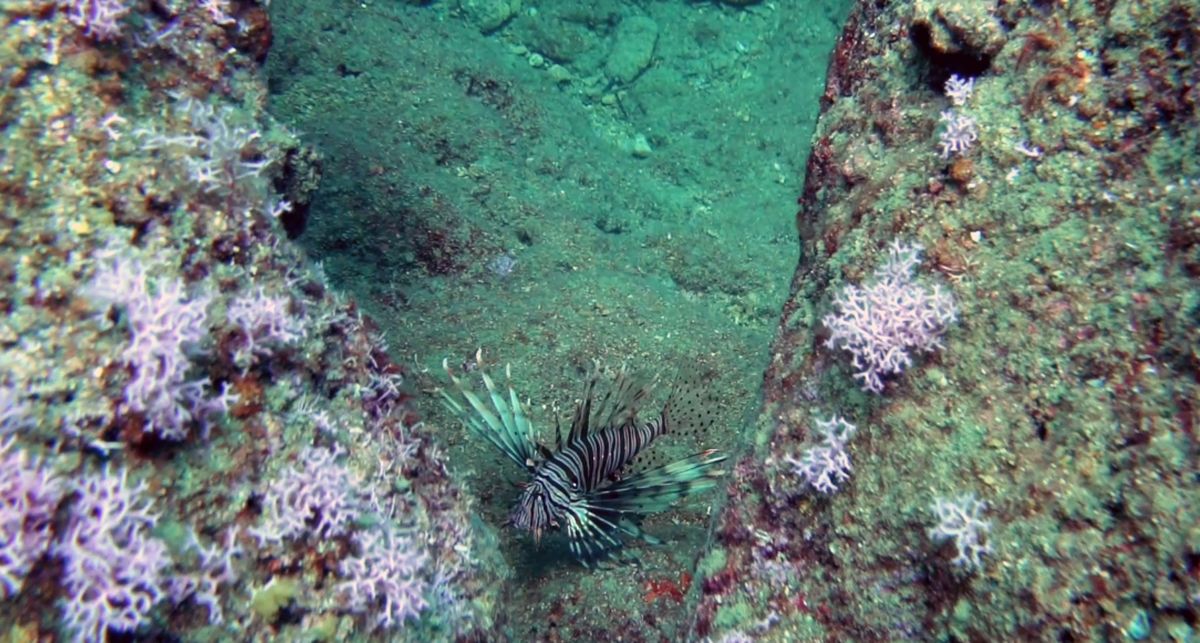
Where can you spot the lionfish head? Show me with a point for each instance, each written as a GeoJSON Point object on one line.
{"type": "Point", "coordinates": [532, 511]}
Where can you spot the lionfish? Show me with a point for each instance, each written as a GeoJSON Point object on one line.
{"type": "Point", "coordinates": [578, 487]}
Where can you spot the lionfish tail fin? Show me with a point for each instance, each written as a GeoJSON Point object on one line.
{"type": "Point", "coordinates": [504, 423]}
{"type": "Point", "coordinates": [659, 488]}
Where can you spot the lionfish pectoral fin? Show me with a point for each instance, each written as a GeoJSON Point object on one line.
{"type": "Point", "coordinates": [593, 537]}
{"type": "Point", "coordinates": [659, 488]}
{"type": "Point", "coordinates": [504, 423]}
{"type": "Point", "coordinates": [609, 550]}
{"type": "Point", "coordinates": [631, 528]}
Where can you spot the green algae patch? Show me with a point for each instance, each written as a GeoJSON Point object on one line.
{"type": "Point", "coordinates": [269, 599]}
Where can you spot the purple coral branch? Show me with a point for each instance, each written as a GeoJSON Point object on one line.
{"type": "Point", "coordinates": [29, 495]}
{"type": "Point", "coordinates": [385, 578]}
{"type": "Point", "coordinates": [112, 567]}
{"type": "Point", "coordinates": [881, 322]}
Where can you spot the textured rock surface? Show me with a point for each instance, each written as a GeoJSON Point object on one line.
{"type": "Point", "coordinates": [1065, 395]}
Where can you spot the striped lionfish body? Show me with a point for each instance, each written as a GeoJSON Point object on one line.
{"type": "Point", "coordinates": [577, 488]}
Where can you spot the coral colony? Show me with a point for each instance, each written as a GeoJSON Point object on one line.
{"type": "Point", "coordinates": [882, 322]}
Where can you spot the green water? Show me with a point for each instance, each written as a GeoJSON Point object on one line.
{"type": "Point", "coordinates": [644, 200]}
